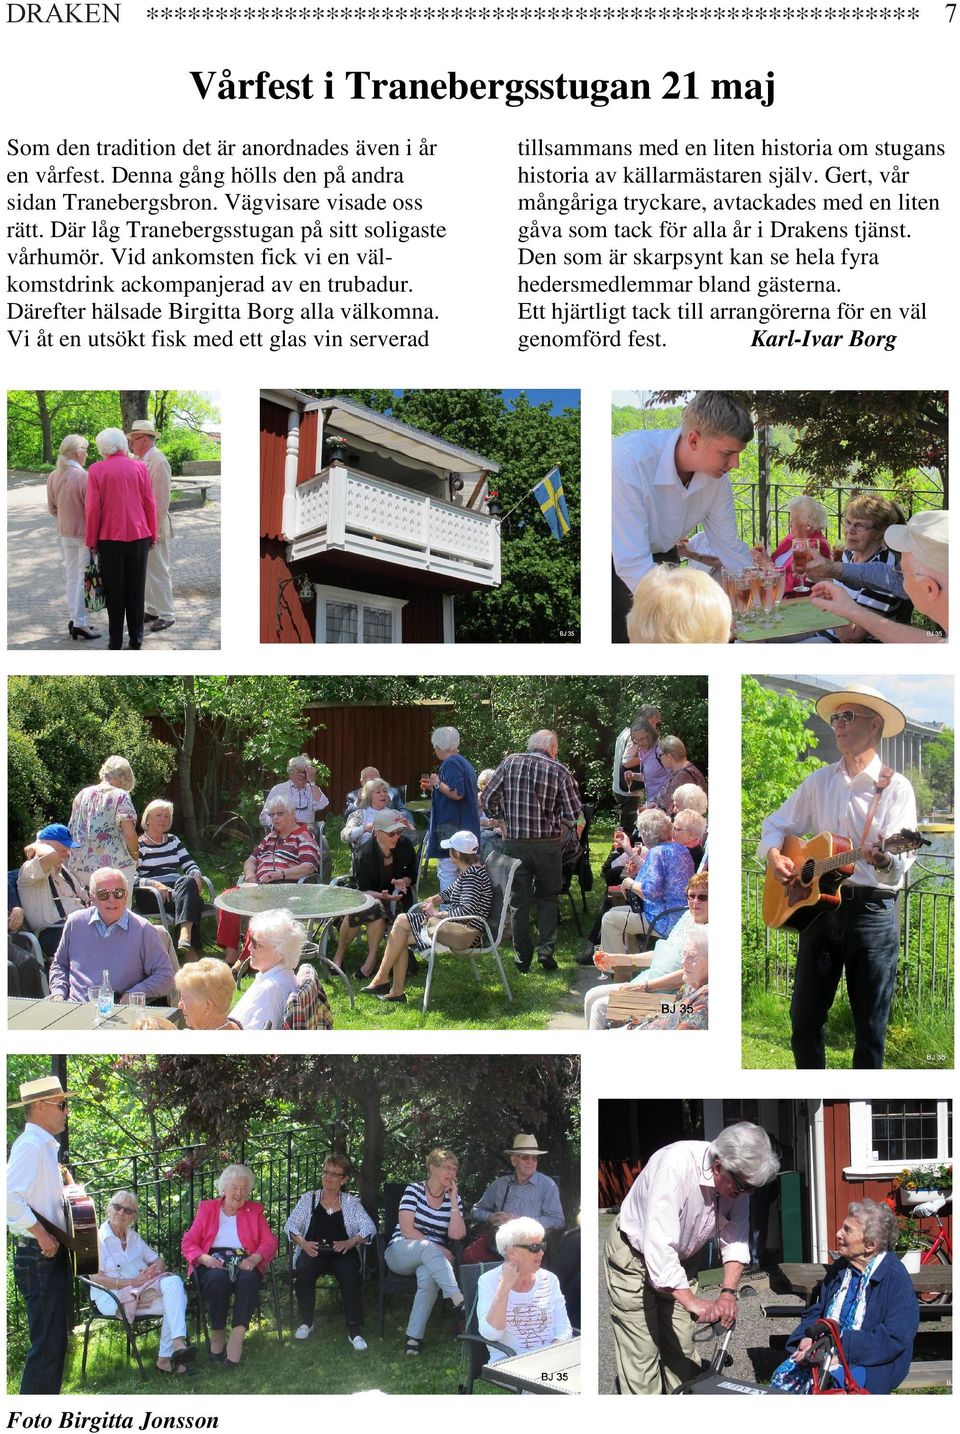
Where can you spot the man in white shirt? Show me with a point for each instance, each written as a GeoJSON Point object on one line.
{"type": "Point", "coordinates": [666, 483]}
{"type": "Point", "coordinates": [861, 799]}
{"type": "Point", "coordinates": [158, 597]}
{"type": "Point", "coordinates": [686, 1195]}
{"type": "Point", "coordinates": [40, 1265]}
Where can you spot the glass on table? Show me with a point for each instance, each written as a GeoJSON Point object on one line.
{"type": "Point", "coordinates": [768, 595]}
{"type": "Point", "coordinates": [780, 586]}
{"type": "Point", "coordinates": [803, 552]}
{"type": "Point", "coordinates": [743, 600]}
{"type": "Point", "coordinates": [137, 1001]}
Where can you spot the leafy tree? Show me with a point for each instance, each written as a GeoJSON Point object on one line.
{"type": "Point", "coordinates": [938, 756]}
{"type": "Point", "coordinates": [59, 732]}
{"type": "Point", "coordinates": [38, 419]}
{"type": "Point", "coordinates": [867, 434]}
{"type": "Point", "coordinates": [539, 597]}
{"type": "Point", "coordinates": [922, 791]}
{"type": "Point", "coordinates": [775, 738]}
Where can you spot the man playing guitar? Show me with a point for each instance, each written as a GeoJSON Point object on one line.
{"type": "Point", "coordinates": [860, 799]}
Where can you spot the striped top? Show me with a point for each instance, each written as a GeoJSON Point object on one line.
{"type": "Point", "coordinates": [877, 599]}
{"type": "Point", "coordinates": [470, 895]}
{"type": "Point", "coordinates": [276, 853]}
{"type": "Point", "coordinates": [165, 860]}
{"type": "Point", "coordinates": [431, 1223]}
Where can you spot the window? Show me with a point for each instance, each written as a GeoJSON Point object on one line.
{"type": "Point", "coordinates": [885, 1135]}
{"type": "Point", "coordinates": [349, 617]}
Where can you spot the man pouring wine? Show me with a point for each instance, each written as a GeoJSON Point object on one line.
{"type": "Point", "coordinates": [857, 803]}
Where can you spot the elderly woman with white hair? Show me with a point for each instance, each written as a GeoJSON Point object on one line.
{"type": "Point", "coordinates": [868, 1294]}
{"type": "Point", "coordinates": [307, 799]}
{"type": "Point", "coordinates": [287, 853]}
{"type": "Point", "coordinates": [228, 1247]}
{"type": "Point", "coordinates": [808, 520]}
{"type": "Point", "coordinates": [454, 805]}
{"type": "Point", "coordinates": [665, 969]}
{"type": "Point", "coordinates": [374, 796]}
{"type": "Point", "coordinates": [275, 941]}
{"type": "Point", "coordinates": [135, 1278]}
{"type": "Point", "coordinates": [66, 501]}
{"type": "Point", "coordinates": [103, 824]}
{"type": "Point", "coordinates": [520, 1304]}
{"type": "Point", "coordinates": [167, 867]}
{"type": "Point", "coordinates": [656, 889]}
{"type": "Point", "coordinates": [121, 528]}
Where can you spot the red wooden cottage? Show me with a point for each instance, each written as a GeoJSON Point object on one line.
{"type": "Point", "coordinates": [368, 527]}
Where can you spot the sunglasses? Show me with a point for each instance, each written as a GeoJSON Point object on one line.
{"type": "Point", "coordinates": [697, 896]}
{"type": "Point", "coordinates": [116, 892]}
{"type": "Point", "coordinates": [58, 1104]}
{"type": "Point", "coordinates": [844, 719]}
{"type": "Point", "coordinates": [125, 1210]}
{"type": "Point", "coordinates": [534, 1249]}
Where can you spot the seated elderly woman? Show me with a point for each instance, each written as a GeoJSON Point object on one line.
{"type": "Point", "coordinates": [109, 937]}
{"type": "Point", "coordinates": [468, 899]}
{"type": "Point", "coordinates": [690, 830]}
{"type": "Point", "coordinates": [385, 867]}
{"type": "Point", "coordinates": [288, 853]}
{"type": "Point", "coordinates": [207, 988]}
{"type": "Point", "coordinates": [808, 520]}
{"type": "Point", "coordinates": [430, 1216]}
{"type": "Point", "coordinates": [520, 1304]}
{"type": "Point", "coordinates": [690, 798]}
{"type": "Point", "coordinates": [228, 1247]}
{"type": "Point", "coordinates": [868, 1294]}
{"type": "Point", "coordinates": [656, 894]}
{"type": "Point", "coordinates": [666, 963]}
{"type": "Point", "coordinates": [307, 799]}
{"type": "Point", "coordinates": [275, 941]}
{"type": "Point", "coordinates": [689, 1006]}
{"type": "Point", "coordinates": [374, 797]}
{"type": "Point", "coordinates": [866, 519]}
{"type": "Point", "coordinates": [167, 867]}
{"type": "Point", "coordinates": [327, 1226]}
{"type": "Point", "coordinates": [133, 1279]}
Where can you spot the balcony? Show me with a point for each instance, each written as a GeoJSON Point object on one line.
{"type": "Point", "coordinates": [343, 511]}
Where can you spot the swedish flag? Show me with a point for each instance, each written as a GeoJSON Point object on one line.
{"type": "Point", "coordinates": [553, 505]}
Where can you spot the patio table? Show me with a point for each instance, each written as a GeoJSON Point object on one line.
{"type": "Point", "coordinates": [26, 1014]}
{"type": "Point", "coordinates": [554, 1370]}
{"type": "Point", "coordinates": [798, 619]}
{"type": "Point", "coordinates": [309, 901]}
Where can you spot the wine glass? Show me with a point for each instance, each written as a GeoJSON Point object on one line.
{"type": "Point", "coordinates": [744, 600]}
{"type": "Point", "coordinates": [768, 592]}
{"type": "Point", "coordinates": [780, 584]}
{"type": "Point", "coordinates": [803, 550]}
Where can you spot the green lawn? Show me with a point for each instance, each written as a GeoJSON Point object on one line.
{"type": "Point", "coordinates": [323, 1364]}
{"type": "Point", "coordinates": [915, 1041]}
{"type": "Point", "coordinates": [457, 1000]}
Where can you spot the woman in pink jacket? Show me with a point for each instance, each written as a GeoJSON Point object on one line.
{"type": "Point", "coordinates": [122, 528]}
{"type": "Point", "coordinates": [228, 1247]}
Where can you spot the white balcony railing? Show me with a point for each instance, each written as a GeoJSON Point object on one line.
{"type": "Point", "coordinates": [343, 511]}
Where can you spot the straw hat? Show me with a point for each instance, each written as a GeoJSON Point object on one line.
{"type": "Point", "coordinates": [525, 1145]}
{"type": "Point", "coordinates": [46, 1088]}
{"type": "Point", "coordinates": [893, 719]}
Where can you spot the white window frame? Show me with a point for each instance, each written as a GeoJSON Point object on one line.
{"type": "Point", "coordinates": [394, 606]}
{"type": "Point", "coordinates": [862, 1164]}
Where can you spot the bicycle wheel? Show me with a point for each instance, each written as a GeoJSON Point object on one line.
{"type": "Point", "coordinates": [939, 1256]}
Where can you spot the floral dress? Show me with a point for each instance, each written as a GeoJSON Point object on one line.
{"type": "Point", "coordinates": [95, 828]}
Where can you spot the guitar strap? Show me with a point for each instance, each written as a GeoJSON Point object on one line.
{"type": "Point", "coordinates": [884, 778]}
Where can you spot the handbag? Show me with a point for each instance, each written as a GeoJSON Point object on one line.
{"type": "Point", "coordinates": [93, 599]}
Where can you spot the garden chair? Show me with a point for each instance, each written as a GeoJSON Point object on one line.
{"type": "Point", "coordinates": [148, 902]}
{"type": "Point", "coordinates": [475, 1350]}
{"type": "Point", "coordinates": [390, 1283]}
{"type": "Point", "coordinates": [201, 1312]}
{"type": "Point", "coordinates": [308, 1008]}
{"type": "Point", "coordinates": [328, 1280]}
{"type": "Point", "coordinates": [502, 870]}
{"type": "Point", "coordinates": [26, 967]}
{"type": "Point", "coordinates": [145, 1323]}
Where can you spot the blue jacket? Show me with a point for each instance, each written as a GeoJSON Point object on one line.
{"type": "Point", "coordinates": [447, 816]}
{"type": "Point", "coordinates": [884, 1342]}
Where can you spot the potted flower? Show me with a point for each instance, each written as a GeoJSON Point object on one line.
{"type": "Point", "coordinates": [918, 1184]}
{"type": "Point", "coordinates": [335, 449]}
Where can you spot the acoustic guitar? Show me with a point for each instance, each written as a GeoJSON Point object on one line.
{"type": "Point", "coordinates": [822, 865]}
{"type": "Point", "coordinates": [78, 1235]}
